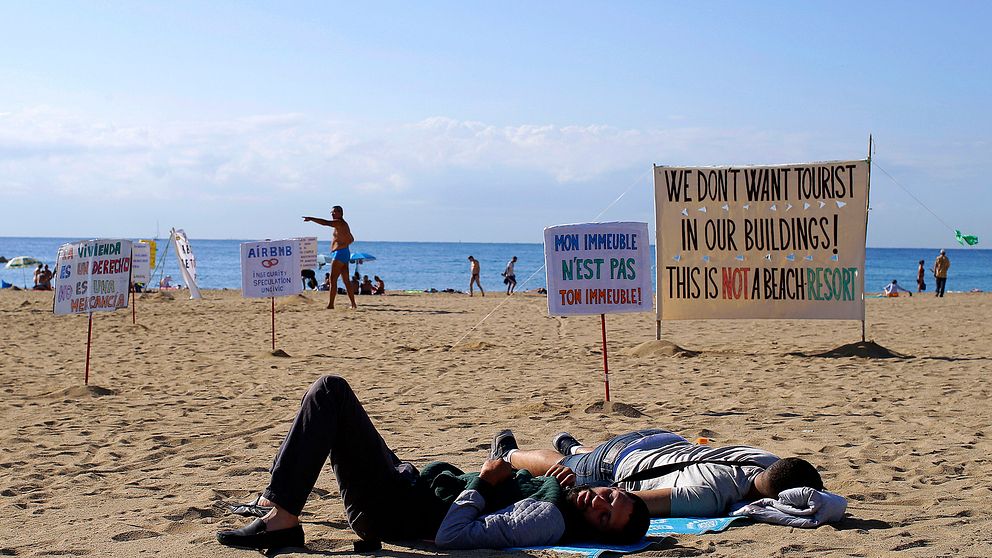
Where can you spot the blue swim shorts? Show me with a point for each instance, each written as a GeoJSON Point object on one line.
{"type": "Point", "coordinates": [341, 255]}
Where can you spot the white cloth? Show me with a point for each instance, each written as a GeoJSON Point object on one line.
{"type": "Point", "coordinates": [797, 507]}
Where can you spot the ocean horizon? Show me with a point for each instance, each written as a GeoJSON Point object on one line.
{"type": "Point", "coordinates": [444, 265]}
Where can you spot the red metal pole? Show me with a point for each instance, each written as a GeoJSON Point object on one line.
{"type": "Point", "coordinates": [606, 366]}
{"type": "Point", "coordinates": [89, 339]}
{"type": "Point", "coordinates": [134, 301]}
{"type": "Point", "coordinates": [273, 322]}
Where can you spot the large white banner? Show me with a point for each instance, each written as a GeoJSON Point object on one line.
{"type": "Point", "coordinates": [781, 241]}
{"type": "Point", "coordinates": [270, 268]}
{"type": "Point", "coordinates": [598, 268]}
{"type": "Point", "coordinates": [92, 276]}
{"type": "Point", "coordinates": [141, 262]}
{"type": "Point", "coordinates": [187, 261]}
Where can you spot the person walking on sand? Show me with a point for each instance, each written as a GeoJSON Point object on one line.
{"type": "Point", "coordinates": [341, 239]}
{"type": "Point", "coordinates": [921, 284]}
{"type": "Point", "coordinates": [940, 267]}
{"type": "Point", "coordinates": [476, 270]}
{"type": "Point", "coordinates": [509, 277]}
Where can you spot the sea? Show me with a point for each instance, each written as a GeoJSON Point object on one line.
{"type": "Point", "coordinates": [419, 266]}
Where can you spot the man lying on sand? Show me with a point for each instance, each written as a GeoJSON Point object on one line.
{"type": "Point", "coordinates": [674, 477]}
{"type": "Point", "coordinates": [388, 499]}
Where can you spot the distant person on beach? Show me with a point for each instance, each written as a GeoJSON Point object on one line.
{"type": "Point", "coordinates": [389, 499]}
{"type": "Point", "coordinates": [940, 267]}
{"type": "Point", "coordinates": [45, 283]}
{"type": "Point", "coordinates": [366, 287]}
{"type": "Point", "coordinates": [341, 239]}
{"type": "Point", "coordinates": [673, 476]}
{"type": "Point", "coordinates": [37, 277]}
{"type": "Point", "coordinates": [476, 270]}
{"type": "Point", "coordinates": [894, 288]}
{"type": "Point", "coordinates": [380, 286]}
{"type": "Point", "coordinates": [921, 284]}
{"type": "Point", "coordinates": [509, 276]}
{"type": "Point", "coordinates": [326, 285]}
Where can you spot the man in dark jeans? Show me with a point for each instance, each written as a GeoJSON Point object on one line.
{"type": "Point", "coordinates": [388, 499]}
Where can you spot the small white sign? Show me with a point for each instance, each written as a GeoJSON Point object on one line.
{"type": "Point", "coordinates": [187, 261]}
{"type": "Point", "coordinates": [92, 276]}
{"type": "Point", "coordinates": [598, 268]}
{"type": "Point", "coordinates": [308, 252]}
{"type": "Point", "coordinates": [270, 268]}
{"type": "Point", "coordinates": [141, 264]}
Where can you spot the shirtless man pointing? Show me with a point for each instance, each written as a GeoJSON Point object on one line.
{"type": "Point", "coordinates": [340, 253]}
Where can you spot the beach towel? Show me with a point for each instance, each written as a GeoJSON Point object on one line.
{"type": "Point", "coordinates": [659, 529]}
{"type": "Point", "coordinates": [797, 507]}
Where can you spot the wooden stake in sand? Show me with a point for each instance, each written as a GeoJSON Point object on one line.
{"type": "Point", "coordinates": [134, 303]}
{"type": "Point", "coordinates": [273, 299]}
{"type": "Point", "coordinates": [606, 365]}
{"type": "Point", "coordinates": [89, 340]}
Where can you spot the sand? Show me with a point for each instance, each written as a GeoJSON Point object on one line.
{"type": "Point", "coordinates": [185, 411]}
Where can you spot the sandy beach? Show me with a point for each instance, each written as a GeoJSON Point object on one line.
{"type": "Point", "coordinates": [185, 410]}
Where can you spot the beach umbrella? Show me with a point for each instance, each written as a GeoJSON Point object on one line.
{"type": "Point", "coordinates": [358, 258]}
{"type": "Point", "coordinates": [22, 262]}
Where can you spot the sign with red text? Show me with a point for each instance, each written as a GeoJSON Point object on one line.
{"type": "Point", "coordinates": [92, 276]}
{"type": "Point", "coordinates": [780, 241]}
{"type": "Point", "coordinates": [270, 268]}
{"type": "Point", "coordinates": [598, 268]}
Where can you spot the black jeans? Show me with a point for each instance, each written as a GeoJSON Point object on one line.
{"type": "Point", "coordinates": [941, 283]}
{"type": "Point", "coordinates": [375, 485]}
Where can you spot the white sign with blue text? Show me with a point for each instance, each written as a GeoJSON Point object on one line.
{"type": "Point", "coordinates": [598, 268]}
{"type": "Point", "coordinates": [270, 268]}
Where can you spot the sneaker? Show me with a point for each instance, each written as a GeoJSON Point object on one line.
{"type": "Point", "coordinates": [563, 442]}
{"type": "Point", "coordinates": [503, 442]}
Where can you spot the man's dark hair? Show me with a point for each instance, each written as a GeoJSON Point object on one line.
{"type": "Point", "coordinates": [637, 525]}
{"type": "Point", "coordinates": [792, 472]}
{"type": "Point", "coordinates": [577, 530]}
{"type": "Point", "coordinates": [339, 208]}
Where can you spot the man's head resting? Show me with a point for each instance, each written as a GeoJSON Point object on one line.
{"type": "Point", "coordinates": [791, 472]}
{"type": "Point", "coordinates": [605, 514]}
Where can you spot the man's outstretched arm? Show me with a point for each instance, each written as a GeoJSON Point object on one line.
{"type": "Point", "coordinates": [319, 221]}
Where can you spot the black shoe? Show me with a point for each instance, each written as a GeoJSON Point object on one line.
{"type": "Point", "coordinates": [503, 442]}
{"type": "Point", "coordinates": [563, 442]}
{"type": "Point", "coordinates": [255, 536]}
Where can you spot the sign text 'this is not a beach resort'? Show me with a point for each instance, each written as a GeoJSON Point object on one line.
{"type": "Point", "coordinates": [598, 268]}
{"type": "Point", "coordinates": [781, 241]}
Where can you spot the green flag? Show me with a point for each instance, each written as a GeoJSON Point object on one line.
{"type": "Point", "coordinates": [963, 239]}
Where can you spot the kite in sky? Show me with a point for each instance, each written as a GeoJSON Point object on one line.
{"type": "Point", "coordinates": [963, 239]}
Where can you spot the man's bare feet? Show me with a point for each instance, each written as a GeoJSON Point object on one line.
{"type": "Point", "coordinates": [330, 307]}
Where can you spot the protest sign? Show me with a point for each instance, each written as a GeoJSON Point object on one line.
{"type": "Point", "coordinates": [92, 276]}
{"type": "Point", "coordinates": [141, 266]}
{"type": "Point", "coordinates": [270, 268]}
{"type": "Point", "coordinates": [187, 261]}
{"type": "Point", "coordinates": [779, 241]}
{"type": "Point", "coordinates": [308, 252]}
{"type": "Point", "coordinates": [598, 268]}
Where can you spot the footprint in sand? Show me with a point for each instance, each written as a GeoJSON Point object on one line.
{"type": "Point", "coordinates": [135, 535]}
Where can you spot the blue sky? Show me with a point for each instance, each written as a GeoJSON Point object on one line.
{"type": "Point", "coordinates": [464, 121]}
